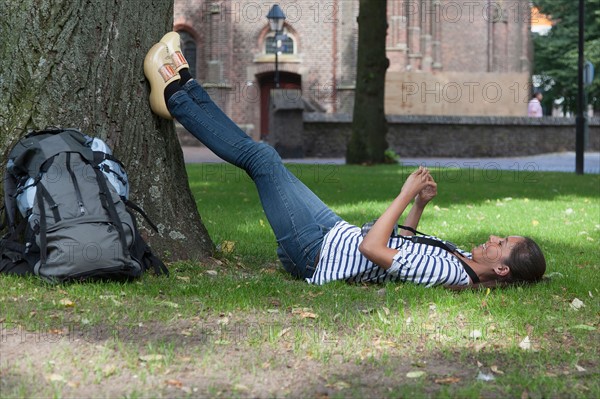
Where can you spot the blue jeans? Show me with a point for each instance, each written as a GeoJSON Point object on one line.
{"type": "Point", "coordinates": [299, 219]}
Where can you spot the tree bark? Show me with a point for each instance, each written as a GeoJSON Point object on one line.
{"type": "Point", "coordinates": [79, 63]}
{"type": "Point", "coordinates": [369, 126]}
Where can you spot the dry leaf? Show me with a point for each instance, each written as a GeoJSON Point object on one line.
{"type": "Point", "coordinates": [475, 334]}
{"type": "Point", "coordinates": [174, 383]}
{"type": "Point", "coordinates": [447, 380]}
{"type": "Point", "coordinates": [227, 247]}
{"type": "Point", "coordinates": [577, 304]}
{"type": "Point", "coordinates": [415, 374]}
{"type": "Point", "coordinates": [339, 385]}
{"type": "Point", "coordinates": [67, 302]}
{"type": "Point", "coordinates": [495, 370]}
{"type": "Point", "coordinates": [212, 272]}
{"type": "Point", "coordinates": [109, 370]}
{"type": "Point", "coordinates": [284, 331]}
{"type": "Point", "coordinates": [308, 315]}
{"type": "Point", "coordinates": [485, 377]}
{"type": "Point", "coordinates": [151, 358]}
{"type": "Point", "coordinates": [383, 319]}
{"type": "Point", "coordinates": [579, 368]}
{"type": "Point", "coordinates": [183, 278]}
{"type": "Point", "coordinates": [525, 344]}
{"type": "Point", "coordinates": [55, 378]}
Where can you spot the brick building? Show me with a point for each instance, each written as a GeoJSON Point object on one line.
{"type": "Point", "coordinates": [457, 57]}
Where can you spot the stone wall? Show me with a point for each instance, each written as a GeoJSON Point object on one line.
{"type": "Point", "coordinates": [326, 135]}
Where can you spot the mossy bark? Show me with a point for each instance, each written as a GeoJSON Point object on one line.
{"type": "Point", "coordinates": [79, 63]}
{"type": "Point", "coordinates": [369, 126]}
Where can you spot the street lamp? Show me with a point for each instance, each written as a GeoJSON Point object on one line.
{"type": "Point", "coordinates": [276, 18]}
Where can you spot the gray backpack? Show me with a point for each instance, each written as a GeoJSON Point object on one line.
{"type": "Point", "coordinates": [71, 196]}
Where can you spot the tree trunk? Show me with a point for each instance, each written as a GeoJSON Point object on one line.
{"type": "Point", "coordinates": [369, 126]}
{"type": "Point", "coordinates": [79, 63]}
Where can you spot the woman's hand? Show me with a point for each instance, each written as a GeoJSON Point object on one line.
{"type": "Point", "coordinates": [417, 182]}
{"type": "Point", "coordinates": [427, 193]}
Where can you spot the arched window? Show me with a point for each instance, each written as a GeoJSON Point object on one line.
{"type": "Point", "coordinates": [287, 45]}
{"type": "Point", "coordinates": [188, 47]}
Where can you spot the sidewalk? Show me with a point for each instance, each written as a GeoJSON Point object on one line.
{"type": "Point", "coordinates": [556, 162]}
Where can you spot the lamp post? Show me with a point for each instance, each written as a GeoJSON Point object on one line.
{"type": "Point", "coordinates": [581, 120]}
{"type": "Point", "coordinates": [276, 18]}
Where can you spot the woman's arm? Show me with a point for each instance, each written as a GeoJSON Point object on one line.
{"type": "Point", "coordinates": [374, 245]}
{"type": "Point", "coordinates": [421, 201]}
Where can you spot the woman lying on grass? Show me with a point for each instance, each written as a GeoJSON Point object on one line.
{"type": "Point", "coordinates": [313, 242]}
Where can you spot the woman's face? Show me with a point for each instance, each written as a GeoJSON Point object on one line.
{"type": "Point", "coordinates": [495, 249]}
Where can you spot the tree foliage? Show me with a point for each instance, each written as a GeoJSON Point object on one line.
{"type": "Point", "coordinates": [556, 55]}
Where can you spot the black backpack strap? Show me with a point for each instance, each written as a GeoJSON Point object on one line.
{"type": "Point", "coordinates": [13, 259]}
{"type": "Point", "coordinates": [447, 246]}
{"type": "Point", "coordinates": [142, 252]}
{"type": "Point", "coordinates": [41, 227]}
{"type": "Point", "coordinates": [408, 228]}
{"type": "Point", "coordinates": [109, 206]}
{"type": "Point", "coordinates": [10, 204]}
{"type": "Point", "coordinates": [138, 209]}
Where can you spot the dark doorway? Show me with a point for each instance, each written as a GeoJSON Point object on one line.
{"type": "Point", "coordinates": [287, 80]}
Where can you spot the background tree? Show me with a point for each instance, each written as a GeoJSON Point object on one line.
{"type": "Point", "coordinates": [79, 63]}
{"type": "Point", "coordinates": [369, 126]}
{"type": "Point", "coordinates": [556, 54]}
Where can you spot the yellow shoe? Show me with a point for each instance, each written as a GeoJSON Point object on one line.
{"type": "Point", "coordinates": [173, 42]}
{"type": "Point", "coordinates": [160, 72]}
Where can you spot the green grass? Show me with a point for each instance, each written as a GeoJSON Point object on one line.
{"type": "Point", "coordinates": [242, 327]}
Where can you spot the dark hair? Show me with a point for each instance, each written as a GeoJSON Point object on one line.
{"type": "Point", "coordinates": [526, 262]}
{"type": "Point", "coordinates": [527, 266]}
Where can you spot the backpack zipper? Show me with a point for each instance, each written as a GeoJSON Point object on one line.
{"type": "Point", "coordinates": [76, 186]}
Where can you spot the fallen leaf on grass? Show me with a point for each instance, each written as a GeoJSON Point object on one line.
{"type": "Point", "coordinates": [383, 319]}
{"type": "Point", "coordinates": [447, 380]}
{"type": "Point", "coordinates": [525, 344]}
{"type": "Point", "coordinates": [339, 385]}
{"type": "Point", "coordinates": [495, 370]}
{"type": "Point", "coordinates": [109, 370]}
{"type": "Point", "coordinates": [151, 358]}
{"type": "Point", "coordinates": [55, 378]}
{"type": "Point", "coordinates": [171, 304]}
{"type": "Point", "coordinates": [227, 247]}
{"type": "Point", "coordinates": [475, 334]}
{"type": "Point", "coordinates": [308, 315]}
{"type": "Point", "coordinates": [577, 304]}
{"type": "Point", "coordinates": [415, 374]}
{"type": "Point", "coordinates": [212, 272]}
{"type": "Point", "coordinates": [485, 377]}
{"type": "Point", "coordinates": [284, 331]}
{"type": "Point", "coordinates": [183, 278]}
{"type": "Point", "coordinates": [67, 302]}
{"type": "Point", "coordinates": [305, 313]}
{"type": "Point", "coordinates": [174, 383]}
{"type": "Point", "coordinates": [579, 368]}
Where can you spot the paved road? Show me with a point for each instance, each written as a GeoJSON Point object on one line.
{"type": "Point", "coordinates": [556, 162]}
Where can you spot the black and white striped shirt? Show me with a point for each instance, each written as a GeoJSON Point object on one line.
{"type": "Point", "coordinates": [419, 263]}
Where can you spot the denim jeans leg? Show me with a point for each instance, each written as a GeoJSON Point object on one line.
{"type": "Point", "coordinates": [296, 215]}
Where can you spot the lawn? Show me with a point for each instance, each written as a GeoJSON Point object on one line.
{"type": "Point", "coordinates": [238, 326]}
